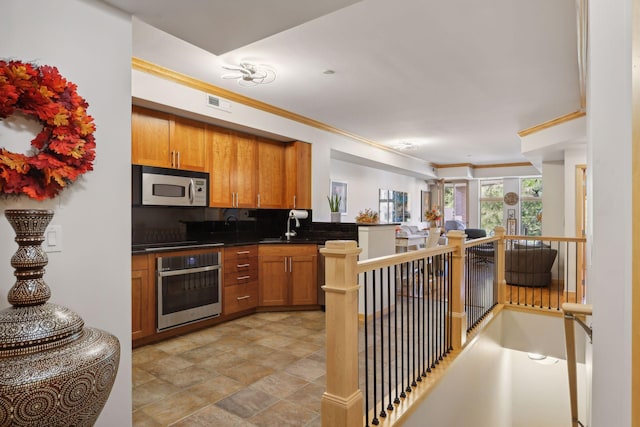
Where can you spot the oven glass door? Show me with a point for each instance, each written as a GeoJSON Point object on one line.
{"type": "Point", "coordinates": [188, 295]}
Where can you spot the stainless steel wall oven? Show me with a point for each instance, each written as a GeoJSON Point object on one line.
{"type": "Point", "coordinates": [189, 288]}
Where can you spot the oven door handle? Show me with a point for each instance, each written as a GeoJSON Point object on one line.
{"type": "Point", "coordinates": [187, 271]}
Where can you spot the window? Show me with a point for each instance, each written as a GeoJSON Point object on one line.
{"type": "Point", "coordinates": [531, 206]}
{"type": "Point", "coordinates": [491, 204]}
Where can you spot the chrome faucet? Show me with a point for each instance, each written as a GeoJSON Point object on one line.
{"type": "Point", "coordinates": [289, 234]}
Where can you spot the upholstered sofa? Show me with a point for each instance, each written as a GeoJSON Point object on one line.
{"type": "Point", "coordinates": [529, 265]}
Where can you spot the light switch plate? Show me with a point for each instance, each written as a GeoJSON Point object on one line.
{"type": "Point", "coordinates": [53, 239]}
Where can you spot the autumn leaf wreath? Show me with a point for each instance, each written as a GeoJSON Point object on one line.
{"type": "Point", "coordinates": [63, 150]}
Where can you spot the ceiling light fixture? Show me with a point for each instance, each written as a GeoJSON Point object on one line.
{"type": "Point", "coordinates": [248, 74]}
{"type": "Point", "coordinates": [405, 145]}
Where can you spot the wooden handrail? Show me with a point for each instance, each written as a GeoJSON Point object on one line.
{"type": "Point", "coordinates": [545, 238]}
{"type": "Point", "coordinates": [572, 310]}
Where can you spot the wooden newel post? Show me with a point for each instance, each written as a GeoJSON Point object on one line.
{"type": "Point", "coordinates": [458, 315]}
{"type": "Point", "coordinates": [500, 281]}
{"type": "Point", "coordinates": [341, 404]}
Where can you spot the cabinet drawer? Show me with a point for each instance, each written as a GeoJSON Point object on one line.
{"type": "Point", "coordinates": [240, 265]}
{"type": "Point", "coordinates": [240, 297]}
{"type": "Point", "coordinates": [241, 277]}
{"type": "Point", "coordinates": [240, 252]}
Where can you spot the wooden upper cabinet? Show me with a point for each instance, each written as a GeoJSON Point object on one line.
{"type": "Point", "coordinates": [160, 139]}
{"type": "Point", "coordinates": [232, 162]}
{"type": "Point", "coordinates": [187, 144]}
{"type": "Point", "coordinates": [298, 175]}
{"type": "Point", "coordinates": [246, 167]}
{"type": "Point", "coordinates": [271, 174]}
{"type": "Point", "coordinates": [150, 137]}
{"type": "Point", "coordinates": [221, 160]}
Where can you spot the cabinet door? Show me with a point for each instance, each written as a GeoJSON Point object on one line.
{"type": "Point", "coordinates": [273, 281]}
{"type": "Point", "coordinates": [298, 175]}
{"type": "Point", "coordinates": [304, 289]}
{"type": "Point", "coordinates": [271, 179]}
{"type": "Point", "coordinates": [142, 299]}
{"type": "Point", "coordinates": [245, 177]}
{"type": "Point", "coordinates": [221, 164]}
{"type": "Point", "coordinates": [150, 138]}
{"type": "Point", "coordinates": [187, 144]}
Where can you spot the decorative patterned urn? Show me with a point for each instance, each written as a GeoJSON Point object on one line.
{"type": "Point", "coordinates": [53, 370]}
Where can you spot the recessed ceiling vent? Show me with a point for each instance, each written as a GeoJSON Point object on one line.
{"type": "Point", "coordinates": [218, 103]}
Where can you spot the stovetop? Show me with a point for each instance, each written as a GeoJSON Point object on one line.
{"type": "Point", "coordinates": [185, 244]}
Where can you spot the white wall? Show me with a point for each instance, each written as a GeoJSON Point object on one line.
{"type": "Point", "coordinates": [91, 46]}
{"type": "Point", "coordinates": [553, 199]}
{"type": "Point", "coordinates": [364, 183]}
{"type": "Point", "coordinates": [609, 183]}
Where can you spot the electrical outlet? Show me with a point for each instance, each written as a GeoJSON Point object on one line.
{"type": "Point", "coordinates": [53, 239]}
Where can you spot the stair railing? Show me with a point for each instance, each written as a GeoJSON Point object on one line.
{"type": "Point", "coordinates": [574, 312]}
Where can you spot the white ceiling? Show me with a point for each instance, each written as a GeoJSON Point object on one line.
{"type": "Point", "coordinates": [460, 77]}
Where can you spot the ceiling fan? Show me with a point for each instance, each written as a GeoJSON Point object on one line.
{"type": "Point", "coordinates": [249, 74]}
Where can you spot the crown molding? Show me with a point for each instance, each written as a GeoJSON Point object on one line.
{"type": "Point", "coordinates": [552, 123]}
{"type": "Point", "coordinates": [471, 165]}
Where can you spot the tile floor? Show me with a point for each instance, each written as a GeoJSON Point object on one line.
{"type": "Point", "coordinates": [266, 369]}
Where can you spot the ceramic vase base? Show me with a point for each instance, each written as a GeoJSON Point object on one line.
{"type": "Point", "coordinates": [54, 371]}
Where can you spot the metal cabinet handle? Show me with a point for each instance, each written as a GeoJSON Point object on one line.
{"type": "Point", "coordinates": [290, 265]}
{"type": "Point", "coordinates": [178, 156]}
{"type": "Point", "coordinates": [244, 297]}
{"type": "Point", "coordinates": [244, 277]}
{"type": "Point", "coordinates": [243, 252]}
{"type": "Point", "coordinates": [258, 200]}
{"type": "Point", "coordinates": [294, 201]}
{"type": "Point", "coordinates": [243, 265]}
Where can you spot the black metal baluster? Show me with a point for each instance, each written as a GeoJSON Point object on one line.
{"type": "Point", "coordinates": [407, 338]}
{"type": "Point", "coordinates": [366, 354]}
{"type": "Point", "coordinates": [389, 380]}
{"type": "Point", "coordinates": [396, 400]}
{"type": "Point", "coordinates": [425, 294]}
{"type": "Point", "coordinates": [417, 302]}
{"type": "Point", "coordinates": [402, 269]}
{"type": "Point", "coordinates": [374, 421]}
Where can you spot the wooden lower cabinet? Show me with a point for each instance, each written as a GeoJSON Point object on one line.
{"type": "Point", "coordinates": [240, 268]}
{"type": "Point", "coordinates": [143, 298]}
{"type": "Point", "coordinates": [287, 275]}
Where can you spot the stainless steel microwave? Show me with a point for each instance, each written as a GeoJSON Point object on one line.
{"type": "Point", "coordinates": [153, 186]}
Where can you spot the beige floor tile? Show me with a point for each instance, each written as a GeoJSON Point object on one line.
{"type": "Point", "coordinates": [279, 384]}
{"type": "Point", "coordinates": [276, 341]}
{"type": "Point", "coordinates": [220, 361]}
{"type": "Point", "coordinates": [252, 351]}
{"type": "Point", "coordinates": [140, 376]}
{"type": "Point", "coordinates": [316, 422]}
{"type": "Point", "coordinates": [278, 360]}
{"type": "Point", "coordinates": [247, 402]}
{"type": "Point", "coordinates": [211, 416]}
{"type": "Point", "coordinates": [306, 369]}
{"type": "Point", "coordinates": [255, 334]}
{"type": "Point", "coordinates": [176, 345]}
{"type": "Point", "coordinates": [276, 316]}
{"type": "Point", "coordinates": [301, 348]}
{"type": "Point", "coordinates": [231, 342]}
{"type": "Point", "coordinates": [166, 365]}
{"type": "Point", "coordinates": [307, 397]}
{"type": "Point", "coordinates": [147, 354]}
{"type": "Point", "coordinates": [200, 354]}
{"type": "Point", "coordinates": [283, 414]}
{"type": "Point", "coordinates": [187, 377]}
{"type": "Point", "coordinates": [175, 407]}
{"type": "Point", "coordinates": [140, 419]}
{"type": "Point", "coordinates": [152, 391]}
{"type": "Point", "coordinates": [247, 373]}
{"type": "Point", "coordinates": [216, 388]}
